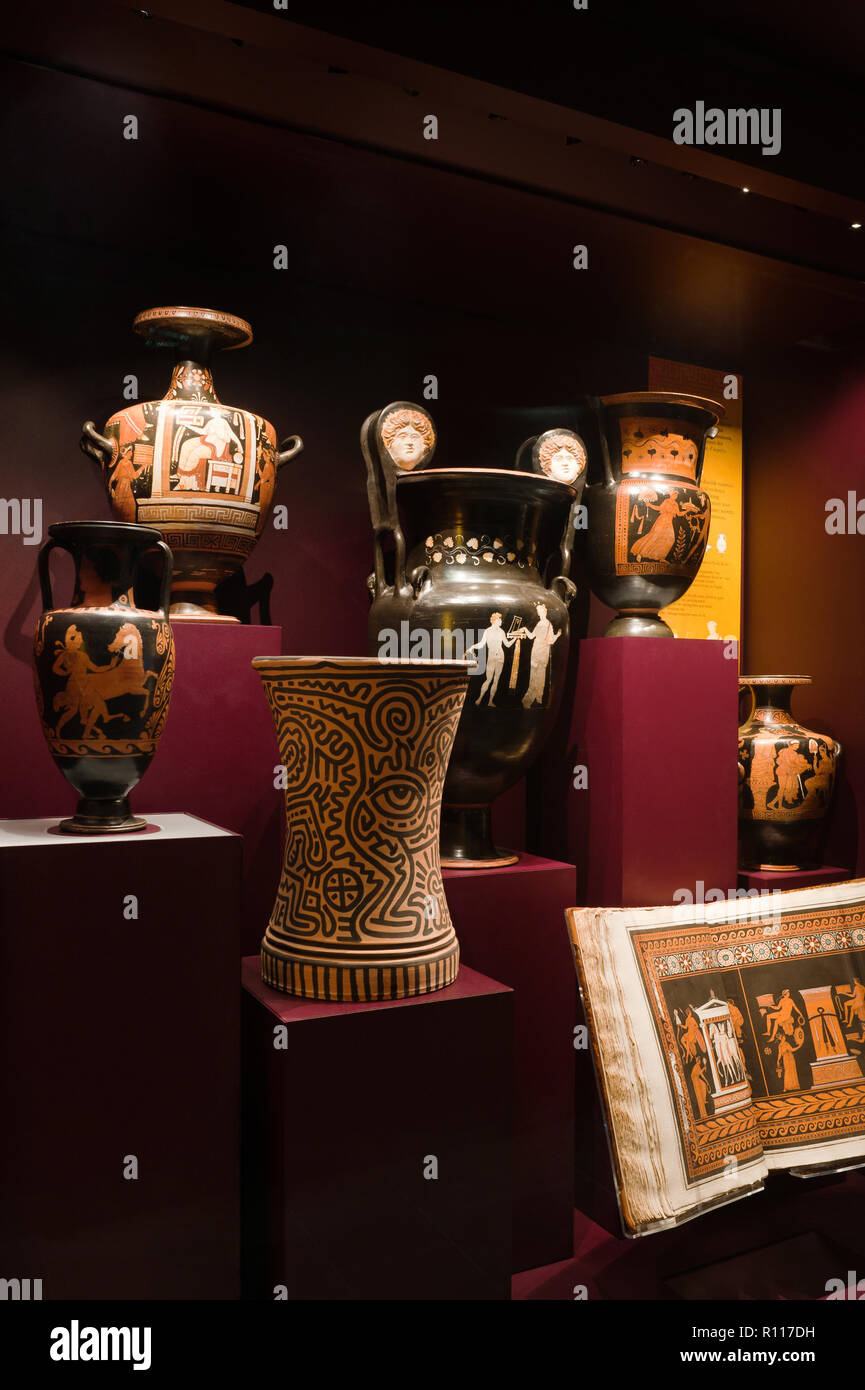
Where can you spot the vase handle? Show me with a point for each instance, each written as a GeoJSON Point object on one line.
{"type": "Point", "coordinates": [377, 436]}
{"type": "Point", "coordinates": [45, 574]}
{"type": "Point", "coordinates": [420, 580]}
{"type": "Point", "coordinates": [167, 577]}
{"type": "Point", "coordinates": [753, 694]}
{"type": "Point", "coordinates": [288, 449]}
{"type": "Point", "coordinates": [525, 448]}
{"type": "Point", "coordinates": [597, 409]}
{"type": "Point", "coordinates": [94, 444]}
{"type": "Point", "coordinates": [564, 587]}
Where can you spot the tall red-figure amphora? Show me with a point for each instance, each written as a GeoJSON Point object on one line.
{"type": "Point", "coordinates": [360, 912]}
{"type": "Point", "coordinates": [103, 669]}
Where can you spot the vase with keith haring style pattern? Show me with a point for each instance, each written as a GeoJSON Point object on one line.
{"type": "Point", "coordinates": [360, 911]}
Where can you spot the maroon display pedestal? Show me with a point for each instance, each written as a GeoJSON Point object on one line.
{"type": "Point", "coordinates": [655, 724]}
{"type": "Point", "coordinates": [218, 753]}
{"type": "Point", "coordinates": [781, 1244]}
{"type": "Point", "coordinates": [765, 881]}
{"type": "Point", "coordinates": [120, 1033]}
{"type": "Point", "coordinates": [511, 925]}
{"type": "Point", "coordinates": [346, 1106]}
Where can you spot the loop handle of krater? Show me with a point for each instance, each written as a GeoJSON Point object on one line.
{"type": "Point", "coordinates": [289, 449]}
{"type": "Point", "coordinates": [387, 454]}
{"type": "Point", "coordinates": [94, 444]}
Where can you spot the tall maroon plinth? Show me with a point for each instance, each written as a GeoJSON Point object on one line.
{"type": "Point", "coordinates": [349, 1111]}
{"type": "Point", "coordinates": [511, 925]}
{"type": "Point", "coordinates": [120, 1088]}
{"type": "Point", "coordinates": [218, 753]}
{"type": "Point", "coordinates": [655, 725]}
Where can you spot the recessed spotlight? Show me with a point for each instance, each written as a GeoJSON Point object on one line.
{"type": "Point", "coordinates": [855, 226]}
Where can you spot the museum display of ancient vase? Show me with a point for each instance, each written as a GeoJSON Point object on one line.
{"type": "Point", "coordinates": [360, 911]}
{"type": "Point", "coordinates": [103, 669]}
{"type": "Point", "coordinates": [788, 782]}
{"type": "Point", "coordinates": [202, 472]}
{"type": "Point", "coordinates": [479, 569]}
{"type": "Point", "coordinates": [647, 516]}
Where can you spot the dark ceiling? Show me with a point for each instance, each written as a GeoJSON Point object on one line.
{"type": "Point", "coordinates": [636, 63]}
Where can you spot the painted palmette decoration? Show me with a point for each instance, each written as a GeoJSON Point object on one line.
{"type": "Point", "coordinates": [202, 472]}
{"type": "Point", "coordinates": [787, 782]}
{"type": "Point", "coordinates": [647, 516]}
{"type": "Point", "coordinates": [479, 568]}
{"type": "Point", "coordinates": [103, 670]}
{"type": "Point", "coordinates": [360, 911]}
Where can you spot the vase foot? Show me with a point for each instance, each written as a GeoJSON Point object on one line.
{"type": "Point", "coordinates": [90, 825]}
{"type": "Point", "coordinates": [466, 839]}
{"type": "Point", "coordinates": [102, 817]}
{"type": "Point", "coordinates": [501, 859]}
{"type": "Point", "coordinates": [780, 868]}
{"type": "Point", "coordinates": [638, 625]}
{"type": "Point", "coordinates": [357, 982]}
{"type": "Point", "coordinates": [194, 613]}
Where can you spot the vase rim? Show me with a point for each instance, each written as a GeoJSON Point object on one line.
{"type": "Point", "coordinates": [359, 663]}
{"type": "Point", "coordinates": [229, 330]}
{"type": "Point", "coordinates": [106, 529]}
{"type": "Point", "coordinates": [773, 680]}
{"type": "Point", "coordinates": [488, 472]}
{"type": "Point", "coordinates": [665, 398]}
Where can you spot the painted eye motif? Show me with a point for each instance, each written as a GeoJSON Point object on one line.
{"type": "Point", "coordinates": [399, 802]}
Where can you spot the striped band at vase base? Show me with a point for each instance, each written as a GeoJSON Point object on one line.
{"type": "Point", "coordinates": [358, 983]}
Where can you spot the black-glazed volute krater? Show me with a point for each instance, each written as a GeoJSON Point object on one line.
{"type": "Point", "coordinates": [480, 570]}
{"type": "Point", "coordinates": [103, 669]}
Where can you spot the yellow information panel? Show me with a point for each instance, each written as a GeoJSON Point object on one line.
{"type": "Point", "coordinates": [712, 607]}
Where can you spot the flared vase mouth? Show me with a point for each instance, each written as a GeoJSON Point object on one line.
{"type": "Point", "coordinates": [351, 664]}
{"type": "Point", "coordinates": [551, 485]}
{"type": "Point", "coordinates": [772, 681]}
{"type": "Point", "coordinates": [177, 324]}
{"type": "Point", "coordinates": [665, 398]}
{"type": "Point", "coordinates": [104, 531]}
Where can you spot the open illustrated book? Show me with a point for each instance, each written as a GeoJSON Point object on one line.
{"type": "Point", "coordinates": [729, 1040]}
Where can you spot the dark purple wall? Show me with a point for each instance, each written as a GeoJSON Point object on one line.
{"type": "Point", "coordinates": [397, 270]}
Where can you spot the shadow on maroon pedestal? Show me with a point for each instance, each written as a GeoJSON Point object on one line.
{"type": "Point", "coordinates": [768, 881]}
{"type": "Point", "coordinates": [783, 1243]}
{"type": "Point", "coordinates": [655, 724]}
{"type": "Point", "coordinates": [345, 1107]}
{"type": "Point", "coordinates": [121, 1040]}
{"type": "Point", "coordinates": [218, 752]}
{"type": "Point", "coordinates": [511, 925]}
